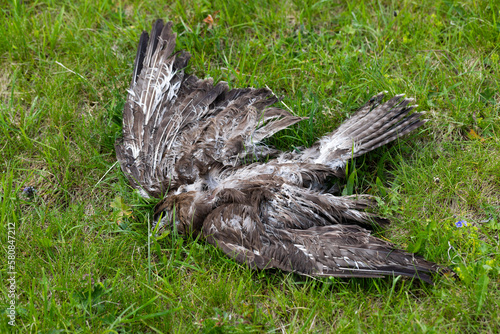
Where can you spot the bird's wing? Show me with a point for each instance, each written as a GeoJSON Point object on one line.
{"type": "Point", "coordinates": [175, 126]}
{"type": "Point", "coordinates": [291, 205]}
{"type": "Point", "coordinates": [335, 250]}
{"type": "Point", "coordinates": [372, 126]}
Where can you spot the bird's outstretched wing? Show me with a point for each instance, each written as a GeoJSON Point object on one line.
{"type": "Point", "coordinates": [242, 233]}
{"type": "Point", "coordinates": [372, 126]}
{"type": "Point", "coordinates": [176, 127]}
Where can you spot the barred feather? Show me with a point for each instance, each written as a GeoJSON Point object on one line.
{"type": "Point", "coordinates": [372, 126]}
{"type": "Point", "coordinates": [191, 142]}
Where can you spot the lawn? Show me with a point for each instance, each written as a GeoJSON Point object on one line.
{"type": "Point", "coordinates": [78, 240]}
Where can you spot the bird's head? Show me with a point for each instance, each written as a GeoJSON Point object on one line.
{"type": "Point", "coordinates": [183, 212]}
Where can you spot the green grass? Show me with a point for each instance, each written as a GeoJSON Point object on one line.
{"type": "Point", "coordinates": [84, 261]}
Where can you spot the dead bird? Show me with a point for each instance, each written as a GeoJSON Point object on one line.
{"type": "Point", "coordinates": [187, 140]}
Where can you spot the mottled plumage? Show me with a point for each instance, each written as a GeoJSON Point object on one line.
{"type": "Point", "coordinates": [191, 142]}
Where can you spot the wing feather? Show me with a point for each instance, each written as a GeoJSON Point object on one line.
{"type": "Point", "coordinates": [177, 127]}
{"type": "Point", "coordinates": [334, 250]}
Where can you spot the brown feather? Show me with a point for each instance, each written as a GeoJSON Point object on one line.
{"type": "Point", "coordinates": [190, 141]}
{"type": "Point", "coordinates": [335, 250]}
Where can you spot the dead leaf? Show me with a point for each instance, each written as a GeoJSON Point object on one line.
{"type": "Point", "coordinates": [210, 19]}
{"type": "Point", "coordinates": [473, 135]}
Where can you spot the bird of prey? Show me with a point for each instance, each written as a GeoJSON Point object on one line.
{"type": "Point", "coordinates": [199, 147]}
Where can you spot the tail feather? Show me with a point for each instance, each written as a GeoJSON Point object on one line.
{"type": "Point", "coordinates": [404, 128]}
{"type": "Point", "coordinates": [383, 119]}
{"type": "Point", "coordinates": [372, 126]}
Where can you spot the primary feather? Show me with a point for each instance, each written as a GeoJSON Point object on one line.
{"type": "Point", "coordinates": [191, 142]}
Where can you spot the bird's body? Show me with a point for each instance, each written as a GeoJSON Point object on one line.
{"type": "Point", "coordinates": [191, 142]}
